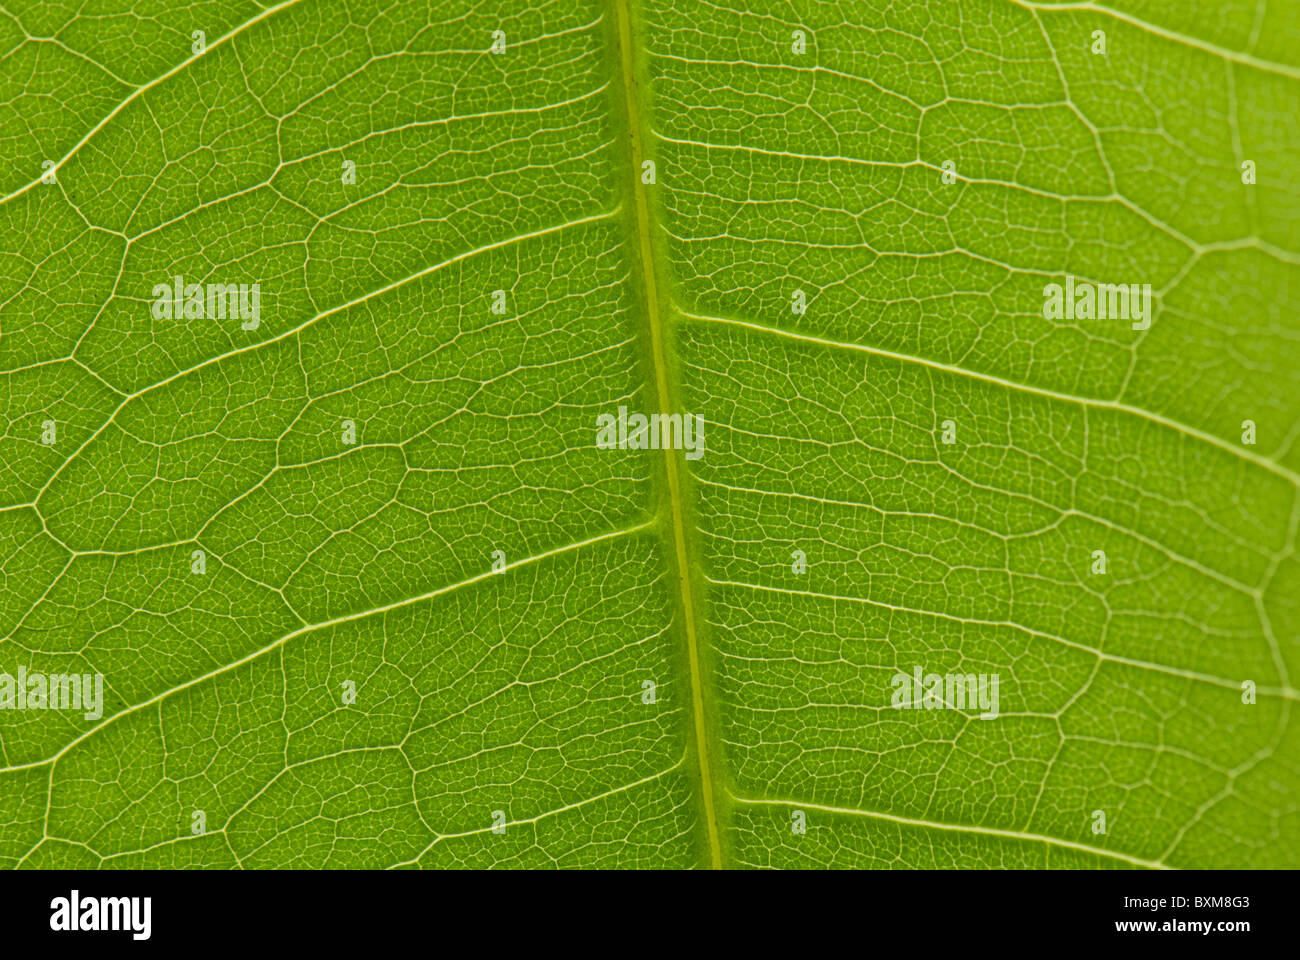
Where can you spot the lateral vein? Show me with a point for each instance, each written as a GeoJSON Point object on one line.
{"type": "Point", "coordinates": [333, 622]}
{"type": "Point", "coordinates": [143, 88]}
{"type": "Point", "coordinates": [964, 828]}
{"type": "Point", "coordinates": [1186, 429]}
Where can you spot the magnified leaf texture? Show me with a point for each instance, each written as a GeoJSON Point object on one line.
{"type": "Point", "coordinates": [649, 434]}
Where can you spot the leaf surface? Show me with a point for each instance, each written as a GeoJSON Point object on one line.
{"type": "Point", "coordinates": [571, 656]}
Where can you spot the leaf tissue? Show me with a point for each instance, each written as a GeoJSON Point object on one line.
{"type": "Point", "coordinates": [649, 434]}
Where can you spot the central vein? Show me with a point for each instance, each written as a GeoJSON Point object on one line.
{"type": "Point", "coordinates": [654, 317]}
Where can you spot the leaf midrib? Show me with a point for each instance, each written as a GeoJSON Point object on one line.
{"type": "Point", "coordinates": [673, 515]}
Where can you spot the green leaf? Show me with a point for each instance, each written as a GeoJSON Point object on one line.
{"type": "Point", "coordinates": [362, 586]}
